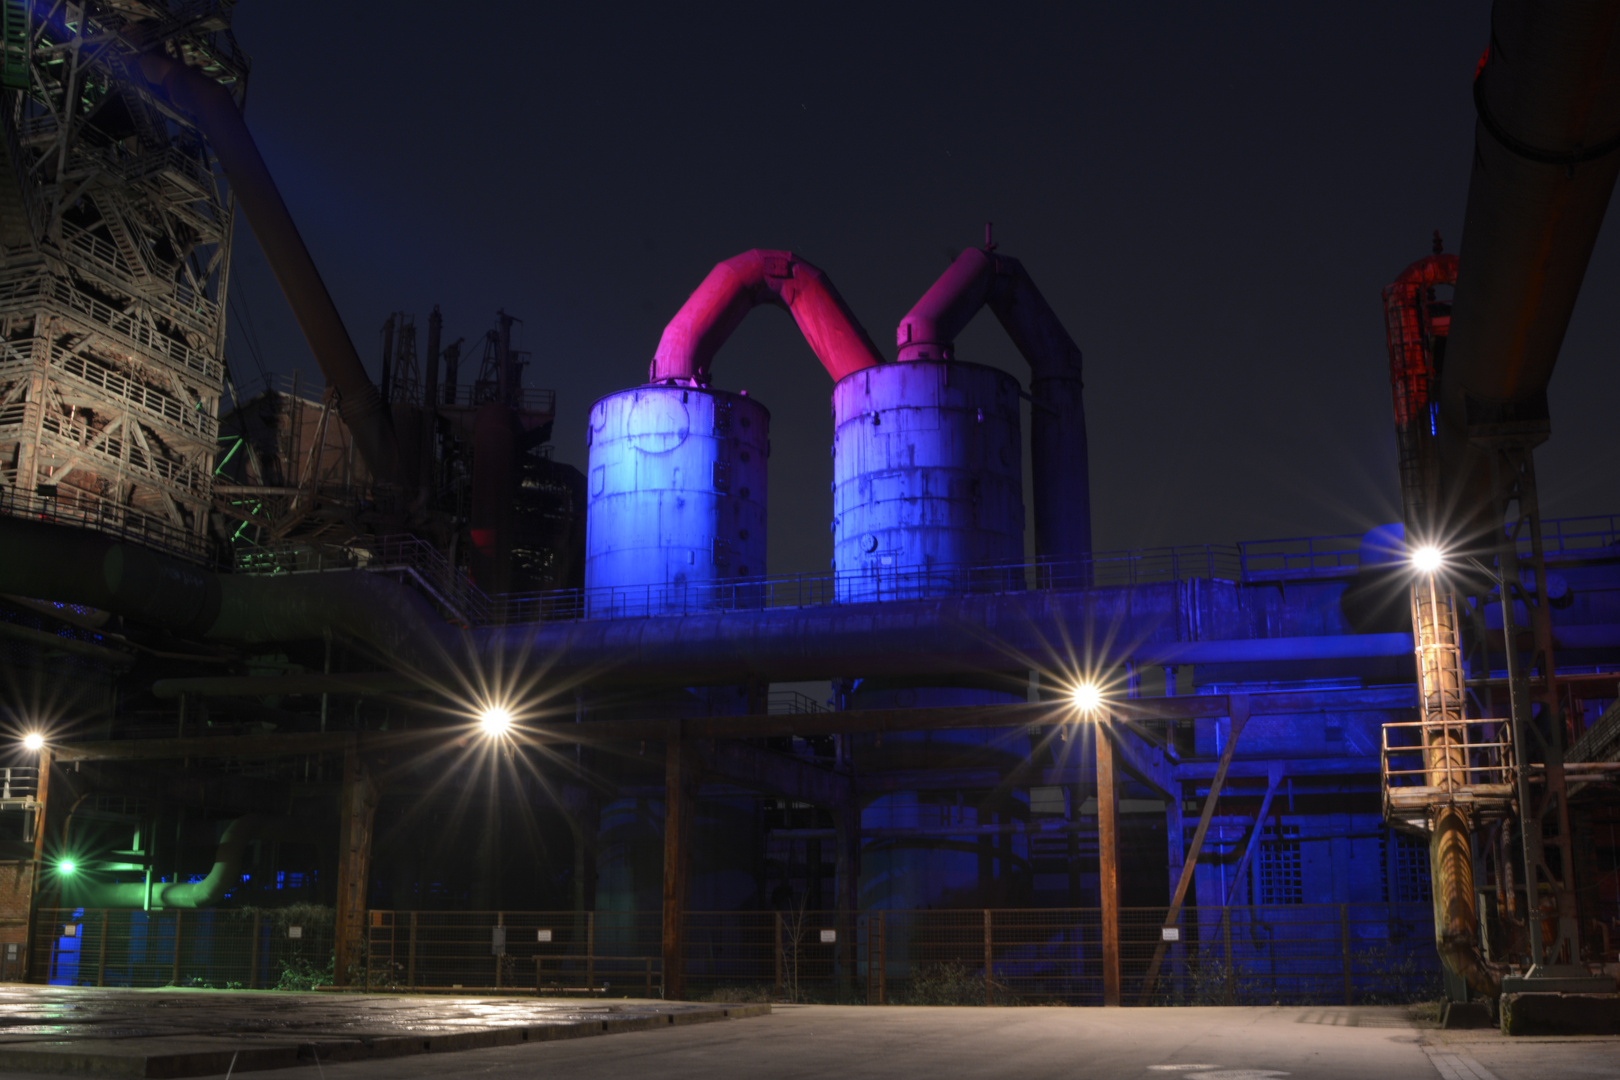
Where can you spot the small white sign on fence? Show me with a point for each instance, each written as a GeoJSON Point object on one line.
{"type": "Point", "coordinates": [828, 937]}
{"type": "Point", "coordinates": [542, 935]}
{"type": "Point", "coordinates": [295, 932]}
{"type": "Point", "coordinates": [1170, 933]}
{"type": "Point", "coordinates": [70, 930]}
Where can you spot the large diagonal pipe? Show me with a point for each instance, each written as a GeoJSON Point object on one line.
{"type": "Point", "coordinates": [740, 284]}
{"type": "Point", "coordinates": [1546, 155]}
{"type": "Point", "coordinates": [1062, 488]}
{"type": "Point", "coordinates": [221, 121]}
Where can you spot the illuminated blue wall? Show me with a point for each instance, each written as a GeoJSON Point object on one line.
{"type": "Point", "coordinates": [927, 473]}
{"type": "Point", "coordinates": [676, 498]}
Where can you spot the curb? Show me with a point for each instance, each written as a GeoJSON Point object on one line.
{"type": "Point", "coordinates": [126, 1057]}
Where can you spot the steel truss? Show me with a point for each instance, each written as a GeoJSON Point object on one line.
{"type": "Point", "coordinates": [115, 237]}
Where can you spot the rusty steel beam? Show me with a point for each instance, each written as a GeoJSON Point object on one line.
{"type": "Point", "coordinates": [1240, 706]}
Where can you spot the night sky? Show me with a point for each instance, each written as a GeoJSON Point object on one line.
{"type": "Point", "coordinates": [1211, 196]}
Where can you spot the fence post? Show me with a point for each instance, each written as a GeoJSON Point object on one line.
{"type": "Point", "coordinates": [253, 958]}
{"type": "Point", "coordinates": [410, 960]}
{"type": "Point", "coordinates": [777, 951]}
{"type": "Point", "coordinates": [500, 921]}
{"type": "Point", "coordinates": [989, 984]}
{"type": "Point", "coordinates": [101, 953]}
{"type": "Point", "coordinates": [174, 979]}
{"type": "Point", "coordinates": [883, 959]}
{"type": "Point", "coordinates": [1344, 948]}
{"type": "Point", "coordinates": [1231, 964]}
{"type": "Point", "coordinates": [590, 950]}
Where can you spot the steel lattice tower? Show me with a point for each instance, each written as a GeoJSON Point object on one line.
{"type": "Point", "coordinates": [115, 226]}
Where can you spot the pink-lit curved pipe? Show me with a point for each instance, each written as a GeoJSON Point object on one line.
{"type": "Point", "coordinates": [743, 282]}
{"type": "Point", "coordinates": [979, 278]}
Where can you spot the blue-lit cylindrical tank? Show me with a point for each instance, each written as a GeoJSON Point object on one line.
{"type": "Point", "coordinates": [927, 478]}
{"type": "Point", "coordinates": [675, 498]}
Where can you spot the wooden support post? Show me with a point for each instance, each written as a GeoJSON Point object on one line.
{"type": "Point", "coordinates": [1108, 863]}
{"type": "Point", "coordinates": [677, 838]}
{"type": "Point", "coordinates": [1239, 707]}
{"type": "Point", "coordinates": [357, 814]}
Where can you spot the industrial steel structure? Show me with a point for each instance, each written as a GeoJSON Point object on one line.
{"type": "Point", "coordinates": [379, 643]}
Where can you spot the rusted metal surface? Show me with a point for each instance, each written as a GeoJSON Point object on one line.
{"type": "Point", "coordinates": [1108, 866]}
{"type": "Point", "coordinates": [357, 816]}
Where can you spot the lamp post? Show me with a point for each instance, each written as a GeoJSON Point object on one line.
{"type": "Point", "coordinates": [1088, 700]}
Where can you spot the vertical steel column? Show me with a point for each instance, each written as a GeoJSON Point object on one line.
{"type": "Point", "coordinates": [1513, 483]}
{"type": "Point", "coordinates": [1108, 862]}
{"type": "Point", "coordinates": [677, 833]}
{"type": "Point", "coordinates": [847, 819]}
{"type": "Point", "coordinates": [1443, 694]}
{"type": "Point", "coordinates": [357, 814]}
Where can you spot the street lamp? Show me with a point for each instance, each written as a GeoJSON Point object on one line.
{"type": "Point", "coordinates": [1428, 559]}
{"type": "Point", "coordinates": [1087, 698]}
{"type": "Point", "coordinates": [33, 741]}
{"type": "Point", "coordinates": [495, 721]}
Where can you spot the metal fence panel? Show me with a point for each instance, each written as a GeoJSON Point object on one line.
{"type": "Point", "coordinates": [1293, 954]}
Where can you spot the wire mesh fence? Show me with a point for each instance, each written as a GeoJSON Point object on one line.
{"type": "Point", "coordinates": [255, 949]}
{"type": "Point", "coordinates": [1289, 954]}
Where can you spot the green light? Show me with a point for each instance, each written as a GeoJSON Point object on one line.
{"type": "Point", "coordinates": [66, 866]}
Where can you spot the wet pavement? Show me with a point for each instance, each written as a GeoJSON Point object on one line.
{"type": "Point", "coordinates": [172, 1033]}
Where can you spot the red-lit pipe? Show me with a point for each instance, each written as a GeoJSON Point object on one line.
{"type": "Point", "coordinates": [738, 285]}
{"type": "Point", "coordinates": [218, 117]}
{"type": "Point", "coordinates": [1058, 450]}
{"type": "Point", "coordinates": [1411, 332]}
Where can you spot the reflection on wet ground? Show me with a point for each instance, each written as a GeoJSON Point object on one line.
{"type": "Point", "coordinates": [71, 1029]}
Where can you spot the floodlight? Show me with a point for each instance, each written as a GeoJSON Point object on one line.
{"type": "Point", "coordinates": [1087, 697]}
{"type": "Point", "coordinates": [66, 866]}
{"type": "Point", "coordinates": [33, 741]}
{"type": "Point", "coordinates": [495, 721]}
{"type": "Point", "coordinates": [1428, 559]}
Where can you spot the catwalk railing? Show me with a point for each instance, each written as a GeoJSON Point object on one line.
{"type": "Point", "coordinates": [1248, 562]}
{"type": "Point", "coordinates": [1323, 953]}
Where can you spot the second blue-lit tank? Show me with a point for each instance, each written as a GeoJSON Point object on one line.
{"type": "Point", "coordinates": [675, 499]}
{"type": "Point", "coordinates": [927, 478]}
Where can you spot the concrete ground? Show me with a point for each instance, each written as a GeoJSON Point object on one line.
{"type": "Point", "coordinates": [854, 1043]}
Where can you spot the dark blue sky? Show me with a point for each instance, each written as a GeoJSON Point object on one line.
{"type": "Point", "coordinates": [1211, 196]}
